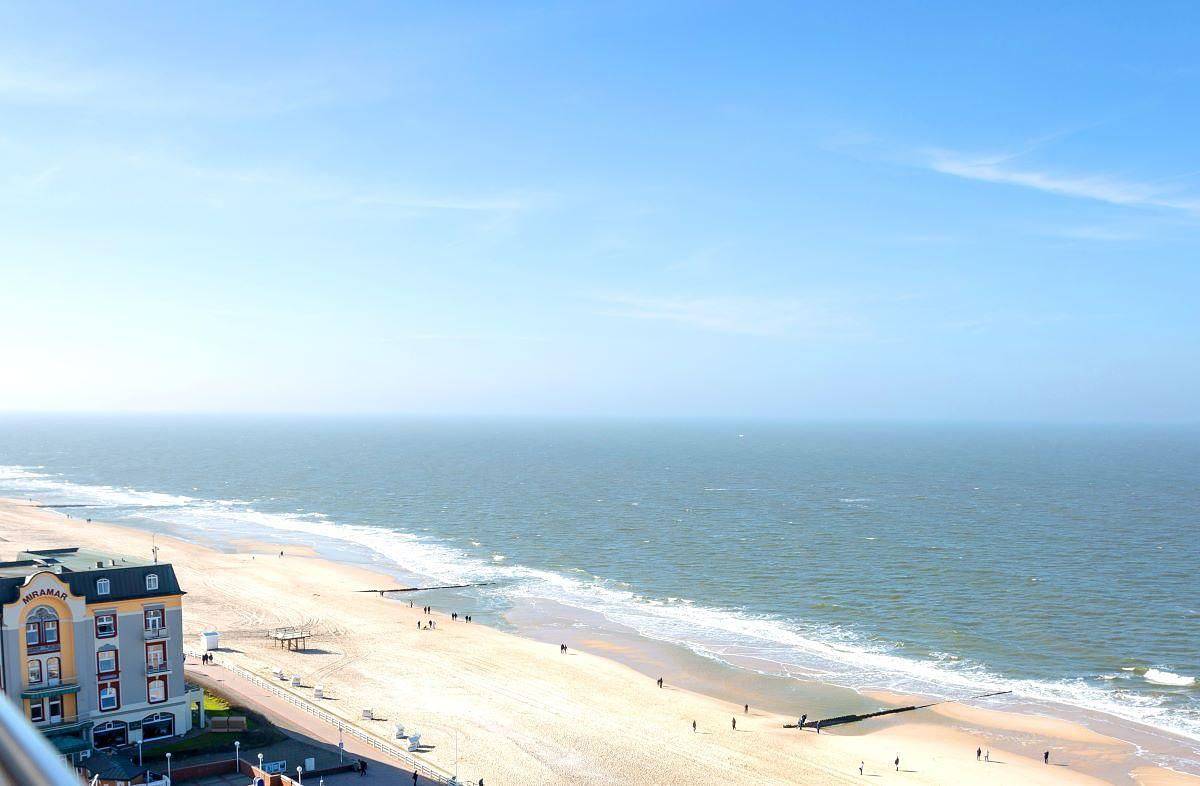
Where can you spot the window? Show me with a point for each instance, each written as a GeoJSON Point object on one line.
{"type": "Point", "coordinates": [106, 662]}
{"type": "Point", "coordinates": [110, 734]}
{"type": "Point", "coordinates": [156, 655]}
{"type": "Point", "coordinates": [154, 619]}
{"type": "Point", "coordinates": [53, 669]}
{"type": "Point", "coordinates": [35, 672]}
{"type": "Point", "coordinates": [41, 631]}
{"type": "Point", "coordinates": [37, 711]}
{"type": "Point", "coordinates": [106, 626]}
{"type": "Point", "coordinates": [151, 582]}
{"type": "Point", "coordinates": [54, 707]}
{"type": "Point", "coordinates": [110, 696]}
{"type": "Point", "coordinates": [103, 586]}
{"type": "Point", "coordinates": [158, 725]}
{"type": "Point", "coordinates": [156, 690]}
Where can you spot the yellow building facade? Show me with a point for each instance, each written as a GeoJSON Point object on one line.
{"type": "Point", "coordinates": [91, 648]}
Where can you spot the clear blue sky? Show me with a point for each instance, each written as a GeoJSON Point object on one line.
{"type": "Point", "coordinates": [892, 210]}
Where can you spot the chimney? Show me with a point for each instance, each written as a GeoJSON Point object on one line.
{"type": "Point", "coordinates": [100, 564]}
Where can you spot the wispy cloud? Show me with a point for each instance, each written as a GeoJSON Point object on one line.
{"type": "Point", "coordinates": [1102, 188]}
{"type": "Point", "coordinates": [35, 81]}
{"type": "Point", "coordinates": [174, 175]}
{"type": "Point", "coordinates": [738, 315]}
{"type": "Point", "coordinates": [1098, 234]}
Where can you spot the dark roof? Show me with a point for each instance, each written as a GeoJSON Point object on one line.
{"type": "Point", "coordinates": [112, 766]}
{"type": "Point", "coordinates": [125, 583]}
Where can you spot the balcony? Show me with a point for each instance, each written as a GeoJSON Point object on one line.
{"type": "Point", "coordinates": [157, 668]}
{"type": "Point", "coordinates": [153, 634]}
{"type": "Point", "coordinates": [55, 687]}
{"type": "Point", "coordinates": [62, 724]}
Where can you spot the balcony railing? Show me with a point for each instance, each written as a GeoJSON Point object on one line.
{"type": "Point", "coordinates": [53, 687]}
{"type": "Point", "coordinates": [158, 668]}
{"type": "Point", "coordinates": [61, 723]}
{"type": "Point", "coordinates": [155, 633]}
{"type": "Point", "coordinates": [25, 755]}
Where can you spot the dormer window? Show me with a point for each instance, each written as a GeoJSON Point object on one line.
{"type": "Point", "coordinates": [151, 582]}
{"type": "Point", "coordinates": [103, 586]}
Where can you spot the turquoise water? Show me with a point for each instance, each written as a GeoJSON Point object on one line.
{"type": "Point", "coordinates": [1058, 562]}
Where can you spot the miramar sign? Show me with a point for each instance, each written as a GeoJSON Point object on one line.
{"type": "Point", "coordinates": [44, 593]}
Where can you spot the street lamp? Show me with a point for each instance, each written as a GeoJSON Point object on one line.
{"type": "Point", "coordinates": [139, 753]}
{"type": "Point", "coordinates": [300, 776]}
{"type": "Point", "coordinates": [237, 755]}
{"type": "Point", "coordinates": [260, 762]}
{"type": "Point", "coordinates": [168, 765]}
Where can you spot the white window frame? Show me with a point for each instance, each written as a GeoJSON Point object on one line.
{"type": "Point", "coordinates": [154, 614]}
{"type": "Point", "coordinates": [111, 688]}
{"type": "Point", "coordinates": [103, 586]}
{"type": "Point", "coordinates": [107, 653]}
{"type": "Point", "coordinates": [151, 582]}
{"type": "Point", "coordinates": [109, 616]}
{"type": "Point", "coordinates": [162, 683]}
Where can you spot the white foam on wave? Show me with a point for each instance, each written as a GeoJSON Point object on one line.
{"type": "Point", "coordinates": [1164, 677]}
{"type": "Point", "coordinates": [826, 653]}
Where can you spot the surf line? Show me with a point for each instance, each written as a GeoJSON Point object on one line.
{"type": "Point", "coordinates": [841, 720]}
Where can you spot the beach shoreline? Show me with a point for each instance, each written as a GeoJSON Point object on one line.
{"type": "Point", "coordinates": [526, 714]}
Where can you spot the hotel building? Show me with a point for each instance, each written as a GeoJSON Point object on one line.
{"type": "Point", "coordinates": [91, 648]}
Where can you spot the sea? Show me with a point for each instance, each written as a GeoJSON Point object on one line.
{"type": "Point", "coordinates": [1061, 563]}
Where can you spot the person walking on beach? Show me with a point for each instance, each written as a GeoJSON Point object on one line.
{"type": "Point", "coordinates": [897, 762]}
{"type": "Point", "coordinates": [693, 727]}
{"type": "Point", "coordinates": [987, 756]}
{"type": "Point", "coordinates": [1046, 757]}
{"type": "Point", "coordinates": [818, 727]}
{"type": "Point", "coordinates": [860, 767]}
{"type": "Point", "coordinates": [734, 723]}
{"type": "Point", "coordinates": [747, 709]}
{"type": "Point", "coordinates": [978, 753]}
{"type": "Point", "coordinates": [802, 719]}
{"type": "Point", "coordinates": [660, 682]}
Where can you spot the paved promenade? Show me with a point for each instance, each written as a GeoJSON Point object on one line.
{"type": "Point", "coordinates": [381, 770]}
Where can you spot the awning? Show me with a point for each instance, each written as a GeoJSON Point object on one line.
{"type": "Point", "coordinates": [49, 690]}
{"type": "Point", "coordinates": [69, 743]}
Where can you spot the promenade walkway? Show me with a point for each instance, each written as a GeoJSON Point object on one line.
{"type": "Point", "coordinates": [381, 769]}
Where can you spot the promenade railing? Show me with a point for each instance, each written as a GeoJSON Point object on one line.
{"type": "Point", "coordinates": [424, 769]}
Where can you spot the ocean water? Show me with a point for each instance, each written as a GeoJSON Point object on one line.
{"type": "Point", "coordinates": [1062, 563]}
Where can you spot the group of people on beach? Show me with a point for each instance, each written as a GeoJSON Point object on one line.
{"type": "Point", "coordinates": [206, 658]}
{"type": "Point", "coordinates": [987, 755]}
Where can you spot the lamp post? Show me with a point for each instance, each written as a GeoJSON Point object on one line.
{"type": "Point", "coordinates": [237, 755]}
{"type": "Point", "coordinates": [300, 776]}
{"type": "Point", "coordinates": [260, 757]}
{"type": "Point", "coordinates": [168, 765]}
{"type": "Point", "coordinates": [139, 753]}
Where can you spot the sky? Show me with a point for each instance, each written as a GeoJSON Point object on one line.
{"type": "Point", "coordinates": [876, 211]}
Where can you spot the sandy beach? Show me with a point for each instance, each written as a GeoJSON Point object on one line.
{"type": "Point", "coordinates": [521, 712]}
